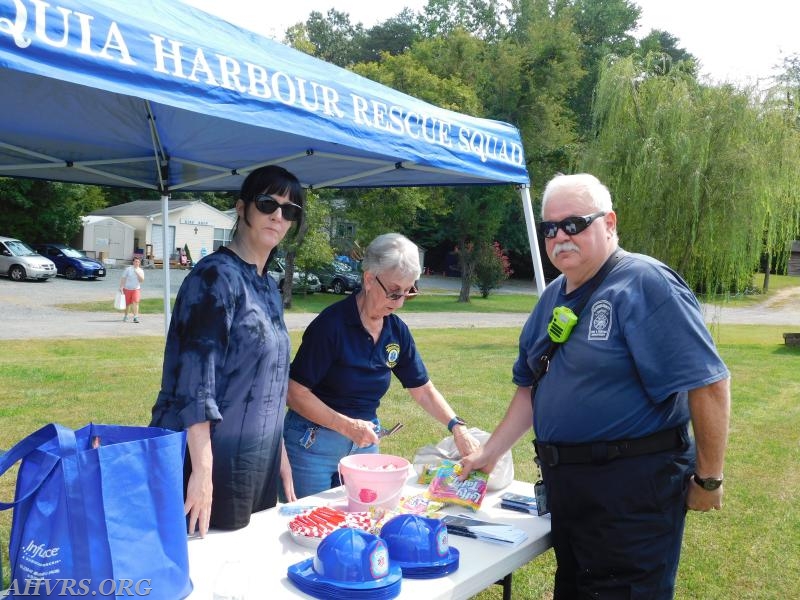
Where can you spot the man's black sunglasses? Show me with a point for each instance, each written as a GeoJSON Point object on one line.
{"type": "Point", "coordinates": [570, 225]}
{"type": "Point", "coordinates": [268, 205]}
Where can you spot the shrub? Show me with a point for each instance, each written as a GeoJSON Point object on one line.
{"type": "Point", "coordinates": [492, 268]}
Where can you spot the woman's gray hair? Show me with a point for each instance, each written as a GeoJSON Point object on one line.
{"type": "Point", "coordinates": [392, 252]}
{"type": "Point", "coordinates": [584, 185]}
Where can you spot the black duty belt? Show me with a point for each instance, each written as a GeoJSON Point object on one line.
{"type": "Point", "coordinates": [603, 452]}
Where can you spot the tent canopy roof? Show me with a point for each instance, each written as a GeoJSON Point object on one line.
{"type": "Point", "coordinates": [157, 95]}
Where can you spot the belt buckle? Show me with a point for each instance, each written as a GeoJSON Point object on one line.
{"type": "Point", "coordinates": [551, 456]}
{"type": "Point", "coordinates": [545, 454]}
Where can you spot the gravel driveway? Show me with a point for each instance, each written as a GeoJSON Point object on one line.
{"type": "Point", "coordinates": [28, 310]}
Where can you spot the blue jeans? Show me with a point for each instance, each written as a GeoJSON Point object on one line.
{"type": "Point", "coordinates": [315, 456]}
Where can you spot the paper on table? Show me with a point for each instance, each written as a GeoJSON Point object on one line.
{"type": "Point", "coordinates": [468, 526]}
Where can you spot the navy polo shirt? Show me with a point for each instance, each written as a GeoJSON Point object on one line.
{"type": "Point", "coordinates": [640, 344]}
{"type": "Point", "coordinates": [339, 362]}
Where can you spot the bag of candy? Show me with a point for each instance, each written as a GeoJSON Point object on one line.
{"type": "Point", "coordinates": [426, 473]}
{"type": "Point", "coordinates": [446, 487]}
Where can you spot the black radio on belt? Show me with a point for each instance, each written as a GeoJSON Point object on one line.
{"type": "Point", "coordinates": [540, 492]}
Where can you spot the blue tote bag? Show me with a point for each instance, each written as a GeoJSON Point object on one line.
{"type": "Point", "coordinates": [98, 512]}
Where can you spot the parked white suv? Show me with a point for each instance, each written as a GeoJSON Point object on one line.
{"type": "Point", "coordinates": [19, 261]}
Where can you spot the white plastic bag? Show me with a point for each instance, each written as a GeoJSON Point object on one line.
{"type": "Point", "coordinates": [501, 477]}
{"type": "Point", "coordinates": [119, 301]}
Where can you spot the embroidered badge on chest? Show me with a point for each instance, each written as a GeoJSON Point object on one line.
{"type": "Point", "coordinates": [600, 323]}
{"type": "Point", "coordinates": [392, 352]}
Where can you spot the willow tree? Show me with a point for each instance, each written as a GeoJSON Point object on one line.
{"type": "Point", "coordinates": [781, 107]}
{"type": "Point", "coordinates": [696, 172]}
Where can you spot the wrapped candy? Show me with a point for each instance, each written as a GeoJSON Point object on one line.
{"type": "Point", "coordinates": [446, 487]}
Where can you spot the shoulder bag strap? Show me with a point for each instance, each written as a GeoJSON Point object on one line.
{"type": "Point", "coordinates": [544, 359]}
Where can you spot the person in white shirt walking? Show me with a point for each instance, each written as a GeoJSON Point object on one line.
{"type": "Point", "coordinates": [131, 285]}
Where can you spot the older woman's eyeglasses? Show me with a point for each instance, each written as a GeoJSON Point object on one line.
{"type": "Point", "coordinates": [268, 205]}
{"type": "Point", "coordinates": [394, 296]}
{"type": "Point", "coordinates": [570, 225]}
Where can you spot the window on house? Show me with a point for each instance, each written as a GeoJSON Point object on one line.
{"type": "Point", "coordinates": [221, 237]}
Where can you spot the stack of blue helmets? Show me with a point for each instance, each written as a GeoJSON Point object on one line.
{"type": "Point", "coordinates": [349, 563]}
{"type": "Point", "coordinates": [419, 546]}
{"type": "Point", "coordinates": [354, 564]}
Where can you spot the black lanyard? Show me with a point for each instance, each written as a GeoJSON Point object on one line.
{"type": "Point", "coordinates": [544, 359]}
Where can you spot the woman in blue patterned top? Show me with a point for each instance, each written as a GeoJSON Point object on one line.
{"type": "Point", "coordinates": [226, 363]}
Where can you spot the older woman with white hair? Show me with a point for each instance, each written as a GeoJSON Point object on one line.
{"type": "Point", "coordinates": [344, 366]}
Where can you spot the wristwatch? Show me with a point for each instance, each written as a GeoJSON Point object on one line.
{"type": "Point", "coordinates": [455, 421]}
{"type": "Point", "coordinates": [709, 483]}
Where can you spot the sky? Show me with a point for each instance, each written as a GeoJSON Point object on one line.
{"type": "Point", "coordinates": [737, 41]}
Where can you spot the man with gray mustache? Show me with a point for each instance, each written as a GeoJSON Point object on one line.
{"type": "Point", "coordinates": [610, 395]}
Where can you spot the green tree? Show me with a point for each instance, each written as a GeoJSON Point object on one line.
{"type": "Point", "coordinates": [296, 36]}
{"type": "Point", "coordinates": [43, 211]}
{"type": "Point", "coordinates": [660, 48]}
{"type": "Point", "coordinates": [605, 28]}
{"type": "Point", "coordinates": [482, 19]}
{"type": "Point", "coordinates": [473, 221]}
{"type": "Point", "coordinates": [700, 174]}
{"type": "Point", "coordinates": [433, 71]}
{"type": "Point", "coordinates": [115, 196]}
{"type": "Point", "coordinates": [549, 69]}
{"type": "Point", "coordinates": [334, 38]}
{"type": "Point", "coordinates": [381, 210]}
{"type": "Point", "coordinates": [394, 36]}
{"type": "Point", "coordinates": [492, 267]}
{"type": "Point", "coordinates": [307, 246]}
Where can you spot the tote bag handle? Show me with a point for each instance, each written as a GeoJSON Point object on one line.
{"type": "Point", "coordinates": [67, 449]}
{"type": "Point", "coordinates": [22, 449]}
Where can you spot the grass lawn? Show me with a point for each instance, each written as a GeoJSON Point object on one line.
{"type": "Point", "coordinates": [748, 550]}
{"type": "Point", "coordinates": [435, 300]}
{"type": "Point", "coordinates": [314, 303]}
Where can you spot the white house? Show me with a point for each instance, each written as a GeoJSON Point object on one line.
{"type": "Point", "coordinates": [105, 237]}
{"type": "Point", "coordinates": [192, 223]}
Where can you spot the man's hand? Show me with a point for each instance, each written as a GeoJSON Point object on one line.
{"type": "Point", "coordinates": [465, 442]}
{"type": "Point", "coordinates": [701, 499]}
{"type": "Point", "coordinates": [477, 461]}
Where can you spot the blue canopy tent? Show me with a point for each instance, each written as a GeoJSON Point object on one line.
{"type": "Point", "coordinates": [156, 95]}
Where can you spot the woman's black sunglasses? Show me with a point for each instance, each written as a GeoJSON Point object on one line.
{"type": "Point", "coordinates": [268, 205]}
{"type": "Point", "coordinates": [395, 296]}
{"type": "Point", "coordinates": [570, 225]}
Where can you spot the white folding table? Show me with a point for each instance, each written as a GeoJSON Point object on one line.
{"type": "Point", "coordinates": [265, 549]}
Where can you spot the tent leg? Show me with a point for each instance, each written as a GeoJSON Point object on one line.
{"type": "Point", "coordinates": [533, 239]}
{"type": "Point", "coordinates": [165, 246]}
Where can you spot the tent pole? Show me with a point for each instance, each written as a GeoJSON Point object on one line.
{"type": "Point", "coordinates": [533, 239]}
{"type": "Point", "coordinates": [165, 261]}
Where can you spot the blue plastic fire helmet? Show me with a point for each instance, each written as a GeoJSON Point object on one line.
{"type": "Point", "coordinates": [348, 559]}
{"type": "Point", "coordinates": [419, 546]}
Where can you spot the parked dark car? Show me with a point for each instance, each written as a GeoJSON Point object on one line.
{"type": "Point", "coordinates": [337, 277]}
{"type": "Point", "coordinates": [71, 263]}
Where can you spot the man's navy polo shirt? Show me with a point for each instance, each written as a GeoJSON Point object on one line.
{"type": "Point", "coordinates": [640, 344]}
{"type": "Point", "coordinates": [339, 362]}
